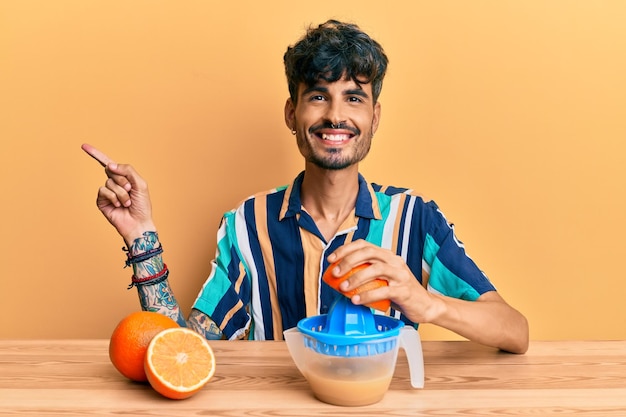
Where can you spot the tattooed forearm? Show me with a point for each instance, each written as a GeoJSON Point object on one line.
{"type": "Point", "coordinates": [157, 296]}
{"type": "Point", "coordinates": [151, 266]}
{"type": "Point", "coordinates": [148, 241]}
{"type": "Point", "coordinates": [203, 324]}
{"type": "Point", "coordinates": [160, 298]}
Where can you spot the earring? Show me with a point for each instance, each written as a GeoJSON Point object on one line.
{"type": "Point", "coordinates": [293, 131]}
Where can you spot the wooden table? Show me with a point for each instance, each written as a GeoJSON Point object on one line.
{"type": "Point", "coordinates": [255, 379]}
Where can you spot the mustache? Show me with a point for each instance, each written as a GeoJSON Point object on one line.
{"type": "Point", "coordinates": [328, 125]}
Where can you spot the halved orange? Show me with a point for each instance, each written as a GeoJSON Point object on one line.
{"type": "Point", "coordinates": [333, 281]}
{"type": "Point", "coordinates": [179, 362]}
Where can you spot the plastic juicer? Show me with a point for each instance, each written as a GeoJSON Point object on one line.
{"type": "Point", "coordinates": [348, 356]}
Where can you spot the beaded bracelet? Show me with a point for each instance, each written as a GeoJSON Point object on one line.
{"type": "Point", "coordinates": [151, 279]}
{"type": "Point", "coordinates": [130, 260]}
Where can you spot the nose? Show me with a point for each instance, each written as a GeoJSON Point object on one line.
{"type": "Point", "coordinates": [334, 114]}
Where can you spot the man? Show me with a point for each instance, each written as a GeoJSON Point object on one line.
{"type": "Point", "coordinates": [273, 248]}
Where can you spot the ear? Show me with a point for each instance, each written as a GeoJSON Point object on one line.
{"type": "Point", "coordinates": [376, 117]}
{"type": "Point", "coordinates": [290, 114]}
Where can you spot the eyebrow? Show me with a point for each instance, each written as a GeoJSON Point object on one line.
{"type": "Point", "coordinates": [352, 92]}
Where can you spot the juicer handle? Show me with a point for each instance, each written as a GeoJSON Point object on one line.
{"type": "Point", "coordinates": [411, 343]}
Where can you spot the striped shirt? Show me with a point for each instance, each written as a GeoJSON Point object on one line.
{"type": "Point", "coordinates": [270, 257]}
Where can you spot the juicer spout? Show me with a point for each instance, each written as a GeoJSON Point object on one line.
{"type": "Point", "coordinates": [295, 346]}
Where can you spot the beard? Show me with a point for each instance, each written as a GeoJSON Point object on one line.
{"type": "Point", "coordinates": [334, 158]}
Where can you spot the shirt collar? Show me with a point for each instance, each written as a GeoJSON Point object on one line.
{"type": "Point", "coordinates": [366, 201]}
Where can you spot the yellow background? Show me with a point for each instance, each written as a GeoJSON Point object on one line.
{"type": "Point", "coordinates": [511, 115]}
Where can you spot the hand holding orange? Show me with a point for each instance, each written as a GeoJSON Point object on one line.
{"type": "Point", "coordinates": [334, 282]}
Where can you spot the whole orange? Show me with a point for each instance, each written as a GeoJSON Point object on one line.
{"type": "Point", "coordinates": [333, 281]}
{"type": "Point", "coordinates": [130, 339]}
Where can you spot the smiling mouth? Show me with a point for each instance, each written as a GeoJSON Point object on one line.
{"type": "Point", "coordinates": [335, 137]}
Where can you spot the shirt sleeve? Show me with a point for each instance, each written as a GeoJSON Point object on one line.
{"type": "Point", "coordinates": [450, 270]}
{"type": "Point", "coordinates": [226, 292]}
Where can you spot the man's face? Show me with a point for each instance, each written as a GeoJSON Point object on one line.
{"type": "Point", "coordinates": [334, 122]}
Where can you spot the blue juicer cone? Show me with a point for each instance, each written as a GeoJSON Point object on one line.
{"type": "Point", "coordinates": [350, 330]}
{"type": "Point", "coordinates": [346, 318]}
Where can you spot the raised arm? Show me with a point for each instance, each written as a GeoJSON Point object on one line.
{"type": "Point", "coordinates": [124, 201]}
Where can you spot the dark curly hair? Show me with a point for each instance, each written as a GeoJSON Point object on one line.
{"type": "Point", "coordinates": [333, 50]}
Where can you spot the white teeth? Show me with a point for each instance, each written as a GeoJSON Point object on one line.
{"type": "Point", "coordinates": [334, 138]}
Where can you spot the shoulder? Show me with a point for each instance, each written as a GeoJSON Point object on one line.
{"type": "Point", "coordinates": [409, 202]}
{"type": "Point", "coordinates": [273, 193]}
{"type": "Point", "coordinates": [390, 189]}
{"type": "Point", "coordinates": [268, 201]}
{"type": "Point", "coordinates": [402, 192]}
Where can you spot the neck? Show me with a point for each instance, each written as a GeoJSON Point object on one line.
{"type": "Point", "coordinates": [329, 196]}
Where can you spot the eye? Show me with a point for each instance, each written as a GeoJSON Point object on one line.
{"type": "Point", "coordinates": [355, 99]}
{"type": "Point", "coordinates": [317, 97]}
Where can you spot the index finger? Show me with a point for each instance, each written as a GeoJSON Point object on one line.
{"type": "Point", "coordinates": [97, 154]}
